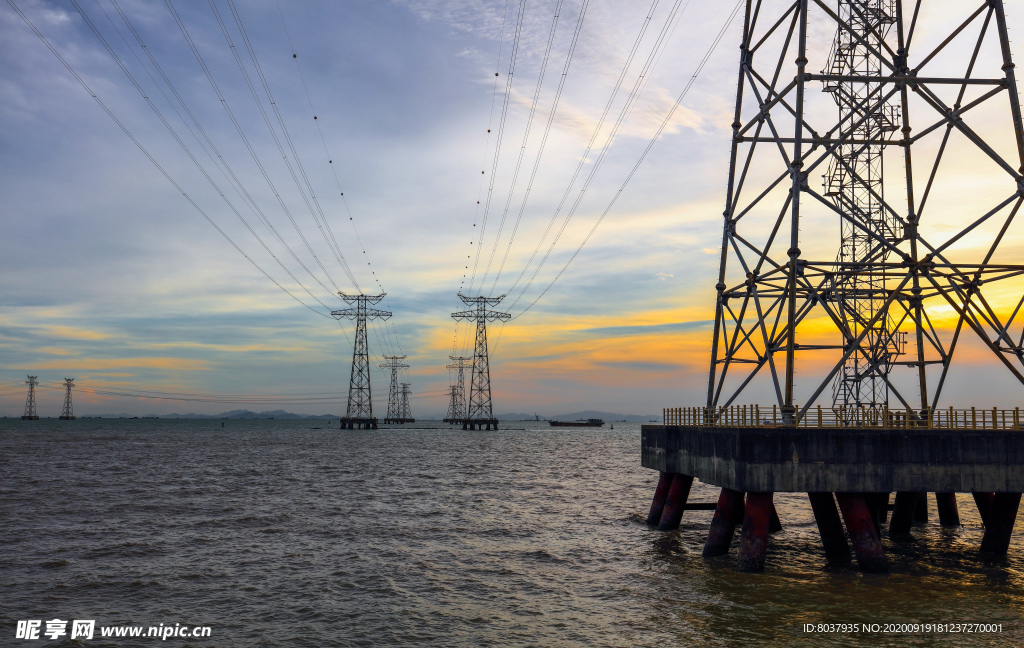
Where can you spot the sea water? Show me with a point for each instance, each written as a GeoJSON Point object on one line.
{"type": "Point", "coordinates": [277, 533]}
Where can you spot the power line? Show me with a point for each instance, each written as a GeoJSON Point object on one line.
{"type": "Point", "coordinates": [153, 160]}
{"type": "Point", "coordinates": [636, 166]}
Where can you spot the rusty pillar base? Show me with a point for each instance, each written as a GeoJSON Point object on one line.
{"type": "Point", "coordinates": [830, 527]}
{"type": "Point", "coordinates": [949, 514]}
{"type": "Point", "coordinates": [675, 505]}
{"type": "Point", "coordinates": [903, 513]}
{"type": "Point", "coordinates": [728, 514]}
{"type": "Point", "coordinates": [984, 503]}
{"type": "Point", "coordinates": [660, 496]}
{"type": "Point", "coordinates": [757, 518]}
{"type": "Point", "coordinates": [1000, 526]}
{"type": "Point", "coordinates": [867, 546]}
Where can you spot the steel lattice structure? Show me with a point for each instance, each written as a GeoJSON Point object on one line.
{"type": "Point", "coordinates": [406, 410]}
{"type": "Point", "coordinates": [394, 363]}
{"type": "Point", "coordinates": [68, 412]}
{"type": "Point", "coordinates": [479, 406]}
{"type": "Point", "coordinates": [457, 405]}
{"type": "Point", "coordinates": [30, 399]}
{"type": "Point", "coordinates": [360, 403]}
{"type": "Point", "coordinates": [934, 270]}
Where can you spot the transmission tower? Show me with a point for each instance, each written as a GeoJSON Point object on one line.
{"type": "Point", "coordinates": [479, 413]}
{"type": "Point", "coordinates": [394, 363]}
{"type": "Point", "coordinates": [915, 97]}
{"type": "Point", "coordinates": [457, 407]}
{"type": "Point", "coordinates": [359, 413]}
{"type": "Point", "coordinates": [406, 410]}
{"type": "Point", "coordinates": [68, 413]}
{"type": "Point", "coordinates": [30, 400]}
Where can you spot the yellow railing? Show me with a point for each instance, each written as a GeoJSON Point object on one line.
{"type": "Point", "coordinates": [830, 417]}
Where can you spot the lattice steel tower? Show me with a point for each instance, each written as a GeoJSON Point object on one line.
{"type": "Point", "coordinates": [30, 400]}
{"type": "Point", "coordinates": [457, 406]}
{"type": "Point", "coordinates": [394, 363]}
{"type": "Point", "coordinates": [68, 412]}
{"type": "Point", "coordinates": [479, 413]}
{"type": "Point", "coordinates": [915, 257]}
{"type": "Point", "coordinates": [359, 413]}
{"type": "Point", "coordinates": [406, 410]}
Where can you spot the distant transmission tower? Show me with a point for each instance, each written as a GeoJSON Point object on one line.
{"type": "Point", "coordinates": [457, 407]}
{"type": "Point", "coordinates": [406, 410]}
{"type": "Point", "coordinates": [30, 400]}
{"type": "Point", "coordinates": [479, 413]}
{"type": "Point", "coordinates": [68, 413]}
{"type": "Point", "coordinates": [394, 363]}
{"type": "Point", "coordinates": [359, 413]}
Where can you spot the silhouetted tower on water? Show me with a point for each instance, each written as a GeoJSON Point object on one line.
{"type": "Point", "coordinates": [68, 412]}
{"type": "Point", "coordinates": [30, 400]}
{"type": "Point", "coordinates": [457, 406]}
{"type": "Point", "coordinates": [394, 363]}
{"type": "Point", "coordinates": [406, 410]}
{"type": "Point", "coordinates": [479, 413]}
{"type": "Point", "coordinates": [359, 413]}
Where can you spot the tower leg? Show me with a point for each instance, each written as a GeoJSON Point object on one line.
{"type": "Point", "coordinates": [728, 514]}
{"type": "Point", "coordinates": [1000, 528]}
{"type": "Point", "coordinates": [660, 496]}
{"type": "Point", "coordinates": [678, 492]}
{"type": "Point", "coordinates": [867, 546]}
{"type": "Point", "coordinates": [984, 503]}
{"type": "Point", "coordinates": [757, 517]}
{"type": "Point", "coordinates": [949, 514]}
{"type": "Point", "coordinates": [830, 527]}
{"type": "Point", "coordinates": [903, 513]}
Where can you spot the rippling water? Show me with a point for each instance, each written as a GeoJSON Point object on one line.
{"type": "Point", "coordinates": [276, 534]}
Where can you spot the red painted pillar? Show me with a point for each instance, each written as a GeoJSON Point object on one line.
{"type": "Point", "coordinates": [949, 514]}
{"type": "Point", "coordinates": [728, 514]}
{"type": "Point", "coordinates": [660, 496]}
{"type": "Point", "coordinates": [903, 512]}
{"type": "Point", "coordinates": [757, 517]}
{"type": "Point", "coordinates": [830, 527]}
{"type": "Point", "coordinates": [984, 502]}
{"type": "Point", "coordinates": [675, 505]}
{"type": "Point", "coordinates": [859, 525]}
{"type": "Point", "coordinates": [1000, 526]}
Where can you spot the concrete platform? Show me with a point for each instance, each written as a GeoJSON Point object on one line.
{"type": "Point", "coordinates": [865, 460]}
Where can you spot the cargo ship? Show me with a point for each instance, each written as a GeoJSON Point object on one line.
{"type": "Point", "coordinates": [594, 422]}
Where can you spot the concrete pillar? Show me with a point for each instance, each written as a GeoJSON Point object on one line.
{"type": "Point", "coordinates": [859, 525]}
{"type": "Point", "coordinates": [775, 524]}
{"type": "Point", "coordinates": [1000, 526]}
{"type": "Point", "coordinates": [830, 527]}
{"type": "Point", "coordinates": [903, 512]}
{"type": "Point", "coordinates": [728, 514]}
{"type": "Point", "coordinates": [949, 515]}
{"type": "Point", "coordinates": [984, 503]}
{"type": "Point", "coordinates": [757, 516]}
{"type": "Point", "coordinates": [660, 495]}
{"type": "Point", "coordinates": [675, 505]}
{"type": "Point", "coordinates": [921, 510]}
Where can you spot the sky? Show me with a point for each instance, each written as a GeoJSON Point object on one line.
{"type": "Point", "coordinates": [193, 249]}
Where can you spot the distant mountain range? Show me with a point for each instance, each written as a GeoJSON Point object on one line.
{"type": "Point", "coordinates": [246, 414]}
